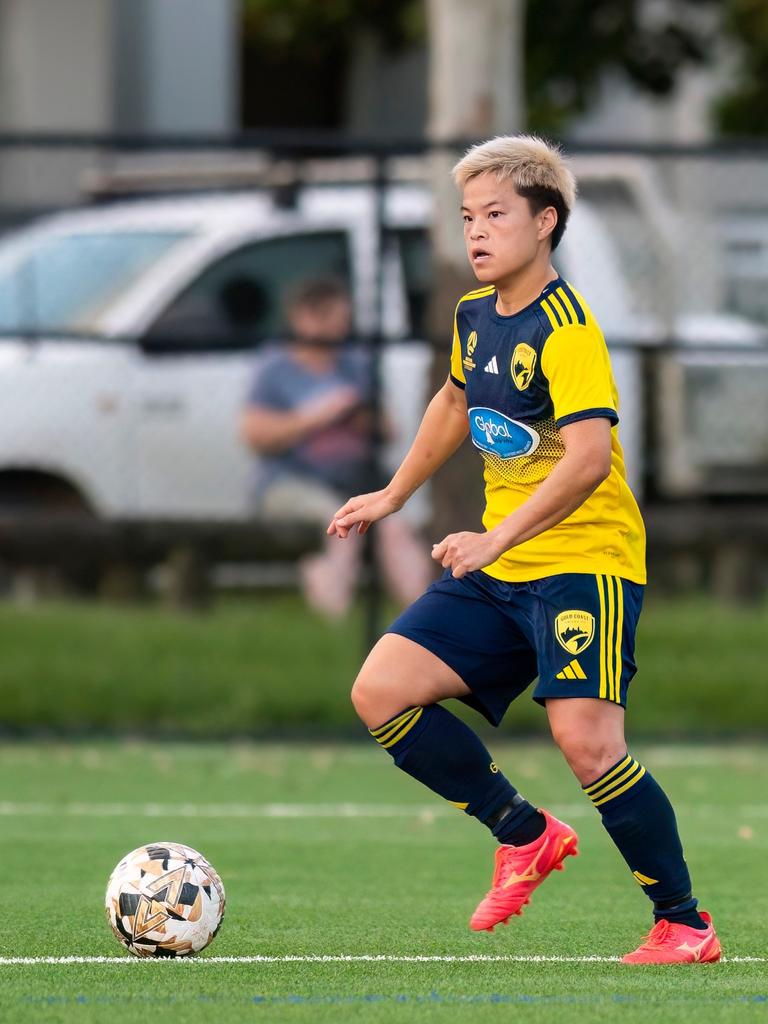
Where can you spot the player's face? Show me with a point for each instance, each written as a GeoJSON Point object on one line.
{"type": "Point", "coordinates": [501, 234]}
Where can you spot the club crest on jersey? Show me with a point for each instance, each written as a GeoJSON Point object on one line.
{"type": "Point", "coordinates": [575, 630]}
{"type": "Point", "coordinates": [468, 361]}
{"type": "Point", "coordinates": [523, 363]}
{"type": "Point", "coordinates": [497, 434]}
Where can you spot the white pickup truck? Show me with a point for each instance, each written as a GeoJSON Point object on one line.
{"type": "Point", "coordinates": [126, 338]}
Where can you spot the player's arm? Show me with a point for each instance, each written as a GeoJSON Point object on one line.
{"type": "Point", "coordinates": [443, 427]}
{"type": "Point", "coordinates": [583, 467]}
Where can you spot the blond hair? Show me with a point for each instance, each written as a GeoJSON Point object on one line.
{"type": "Point", "coordinates": [537, 170]}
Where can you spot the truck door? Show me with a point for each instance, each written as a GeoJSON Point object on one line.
{"type": "Point", "coordinates": [195, 367]}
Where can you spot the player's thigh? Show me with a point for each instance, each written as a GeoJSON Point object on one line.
{"type": "Point", "coordinates": [399, 673]}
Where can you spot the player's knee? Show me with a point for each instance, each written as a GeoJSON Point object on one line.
{"type": "Point", "coordinates": [367, 699]}
{"type": "Point", "coordinates": [589, 757]}
{"type": "Point", "coordinates": [376, 699]}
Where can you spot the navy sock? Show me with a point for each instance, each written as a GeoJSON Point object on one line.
{"type": "Point", "coordinates": [440, 751]}
{"type": "Point", "coordinates": [639, 819]}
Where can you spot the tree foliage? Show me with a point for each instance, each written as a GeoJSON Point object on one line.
{"type": "Point", "coordinates": [568, 50]}
{"type": "Point", "coordinates": [742, 110]}
{"type": "Point", "coordinates": [309, 25]}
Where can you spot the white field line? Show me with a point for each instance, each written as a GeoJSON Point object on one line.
{"type": "Point", "coordinates": [187, 810]}
{"type": "Point", "coordinates": [480, 958]}
{"type": "Point", "coordinates": [426, 812]}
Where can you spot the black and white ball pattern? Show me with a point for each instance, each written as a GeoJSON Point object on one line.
{"type": "Point", "coordinates": [165, 900]}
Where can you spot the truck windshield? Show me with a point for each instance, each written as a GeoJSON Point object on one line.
{"type": "Point", "coordinates": [66, 282]}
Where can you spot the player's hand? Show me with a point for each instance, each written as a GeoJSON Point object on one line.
{"type": "Point", "coordinates": [362, 511]}
{"type": "Point", "coordinates": [466, 552]}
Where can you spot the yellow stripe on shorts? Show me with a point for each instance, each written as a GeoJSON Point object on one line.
{"type": "Point", "coordinates": [601, 654]}
{"type": "Point", "coordinates": [619, 635]}
{"type": "Point", "coordinates": [610, 615]}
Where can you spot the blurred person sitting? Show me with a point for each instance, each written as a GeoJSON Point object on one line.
{"type": "Point", "coordinates": [308, 416]}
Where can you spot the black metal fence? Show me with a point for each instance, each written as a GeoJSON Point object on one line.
{"type": "Point", "coordinates": [133, 319]}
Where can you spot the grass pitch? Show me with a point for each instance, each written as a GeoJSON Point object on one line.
{"type": "Point", "coordinates": [329, 851]}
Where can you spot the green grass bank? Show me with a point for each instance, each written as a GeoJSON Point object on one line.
{"type": "Point", "coordinates": [265, 664]}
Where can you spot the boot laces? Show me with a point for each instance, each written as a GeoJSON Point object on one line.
{"type": "Point", "coordinates": [657, 936]}
{"type": "Point", "coordinates": [506, 861]}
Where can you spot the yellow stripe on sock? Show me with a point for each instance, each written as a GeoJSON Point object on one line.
{"type": "Point", "coordinates": [462, 807]}
{"type": "Point", "coordinates": [601, 658]}
{"type": "Point", "coordinates": [392, 723]}
{"type": "Point", "coordinates": [406, 728]}
{"type": "Point", "coordinates": [644, 879]}
{"type": "Point", "coordinates": [396, 728]}
{"type": "Point", "coordinates": [619, 633]}
{"type": "Point", "coordinates": [623, 789]}
{"type": "Point", "coordinates": [614, 782]}
{"type": "Point", "coordinates": [607, 778]}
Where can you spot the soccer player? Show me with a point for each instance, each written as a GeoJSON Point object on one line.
{"type": "Point", "coordinates": [552, 587]}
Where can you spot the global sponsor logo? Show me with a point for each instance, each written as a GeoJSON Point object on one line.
{"type": "Point", "coordinates": [500, 435]}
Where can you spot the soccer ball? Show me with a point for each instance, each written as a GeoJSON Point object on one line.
{"type": "Point", "coordinates": [164, 900]}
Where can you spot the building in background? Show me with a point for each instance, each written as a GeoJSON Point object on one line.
{"type": "Point", "coordinates": [106, 67]}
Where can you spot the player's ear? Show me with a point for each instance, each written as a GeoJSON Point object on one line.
{"type": "Point", "coordinates": [547, 222]}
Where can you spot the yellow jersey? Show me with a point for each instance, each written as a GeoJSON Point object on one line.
{"type": "Point", "coordinates": [526, 376]}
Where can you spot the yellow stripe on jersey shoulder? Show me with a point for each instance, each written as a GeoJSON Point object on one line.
{"type": "Point", "coordinates": [479, 293]}
{"type": "Point", "coordinates": [550, 314]}
{"type": "Point", "coordinates": [573, 315]}
{"type": "Point", "coordinates": [560, 308]}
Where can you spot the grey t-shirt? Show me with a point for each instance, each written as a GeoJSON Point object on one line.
{"type": "Point", "coordinates": [337, 455]}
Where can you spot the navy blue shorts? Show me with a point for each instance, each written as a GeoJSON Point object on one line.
{"type": "Point", "coordinates": [575, 631]}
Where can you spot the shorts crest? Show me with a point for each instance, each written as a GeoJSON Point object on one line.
{"type": "Point", "coordinates": [575, 630]}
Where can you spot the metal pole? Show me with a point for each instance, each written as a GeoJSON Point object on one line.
{"type": "Point", "coordinates": [374, 590]}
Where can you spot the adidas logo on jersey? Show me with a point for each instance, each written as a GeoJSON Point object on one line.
{"type": "Point", "coordinates": [492, 366]}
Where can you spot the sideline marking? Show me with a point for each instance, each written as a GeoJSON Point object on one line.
{"type": "Point", "coordinates": [186, 810]}
{"type": "Point", "coordinates": [427, 812]}
{"type": "Point", "coordinates": [469, 958]}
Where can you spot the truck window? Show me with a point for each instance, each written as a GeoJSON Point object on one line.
{"type": "Point", "coordinates": [416, 256]}
{"type": "Point", "coordinates": [237, 301]}
{"type": "Point", "coordinates": [67, 282]}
